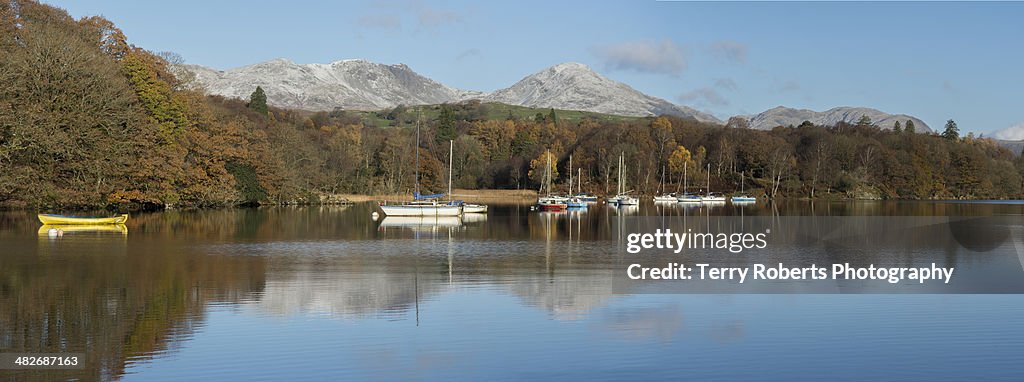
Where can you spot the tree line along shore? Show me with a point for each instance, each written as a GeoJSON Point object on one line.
{"type": "Point", "coordinates": [88, 120]}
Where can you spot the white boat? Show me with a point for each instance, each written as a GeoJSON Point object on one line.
{"type": "Point", "coordinates": [467, 208]}
{"type": "Point", "coordinates": [743, 198]}
{"type": "Point", "coordinates": [687, 197]}
{"type": "Point", "coordinates": [627, 200]}
{"type": "Point", "coordinates": [421, 208]}
{"type": "Point", "coordinates": [573, 202]}
{"type": "Point", "coordinates": [665, 198]}
{"type": "Point", "coordinates": [550, 202]}
{"type": "Point", "coordinates": [622, 197]}
{"type": "Point", "coordinates": [711, 197]}
{"type": "Point", "coordinates": [422, 205]}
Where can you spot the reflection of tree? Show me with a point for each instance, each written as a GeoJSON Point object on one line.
{"type": "Point", "coordinates": [113, 308]}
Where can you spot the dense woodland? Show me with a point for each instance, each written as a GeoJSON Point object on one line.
{"type": "Point", "coordinates": [89, 120]}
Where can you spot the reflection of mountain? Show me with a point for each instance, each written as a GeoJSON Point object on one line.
{"type": "Point", "coordinates": [568, 295]}
{"type": "Point", "coordinates": [339, 292]}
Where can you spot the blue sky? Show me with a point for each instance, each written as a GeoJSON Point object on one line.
{"type": "Point", "coordinates": [933, 60]}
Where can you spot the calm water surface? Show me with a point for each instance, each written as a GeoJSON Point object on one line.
{"type": "Point", "coordinates": [327, 293]}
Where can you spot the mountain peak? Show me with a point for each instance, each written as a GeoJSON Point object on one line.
{"type": "Point", "coordinates": [576, 66]}
{"type": "Point", "coordinates": [575, 86]}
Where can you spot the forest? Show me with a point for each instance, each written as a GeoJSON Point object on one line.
{"type": "Point", "coordinates": [88, 120]}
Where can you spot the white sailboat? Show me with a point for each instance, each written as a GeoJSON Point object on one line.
{"type": "Point", "coordinates": [687, 197]}
{"type": "Point", "coordinates": [711, 197]}
{"type": "Point", "coordinates": [622, 197]}
{"type": "Point", "coordinates": [549, 202]}
{"type": "Point", "coordinates": [422, 205]}
{"type": "Point", "coordinates": [664, 197]}
{"type": "Point", "coordinates": [467, 208]}
{"type": "Point", "coordinates": [743, 198]}
{"type": "Point", "coordinates": [574, 202]}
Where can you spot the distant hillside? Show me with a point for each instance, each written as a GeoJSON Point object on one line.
{"type": "Point", "coordinates": [364, 85]}
{"type": "Point", "coordinates": [784, 116]}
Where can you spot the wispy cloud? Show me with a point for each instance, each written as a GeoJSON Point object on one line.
{"type": "Point", "coordinates": [729, 51]}
{"type": "Point", "coordinates": [392, 15]}
{"type": "Point", "coordinates": [790, 86]}
{"type": "Point", "coordinates": [704, 96]}
{"type": "Point", "coordinates": [665, 57]}
{"type": "Point", "coordinates": [725, 84]}
{"type": "Point", "coordinates": [1012, 133]}
{"type": "Point", "coordinates": [471, 52]}
{"type": "Point", "coordinates": [381, 21]}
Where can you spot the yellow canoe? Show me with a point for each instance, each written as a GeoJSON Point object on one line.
{"type": "Point", "coordinates": [62, 220]}
{"type": "Point", "coordinates": [81, 228]}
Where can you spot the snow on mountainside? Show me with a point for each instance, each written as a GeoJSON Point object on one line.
{"type": "Point", "coordinates": [350, 84]}
{"type": "Point", "coordinates": [575, 86]}
{"type": "Point", "coordinates": [363, 85]}
{"type": "Point", "coordinates": [784, 116]}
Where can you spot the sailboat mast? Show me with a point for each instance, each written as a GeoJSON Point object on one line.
{"type": "Point", "coordinates": [570, 174]}
{"type": "Point", "coordinates": [451, 151]}
{"type": "Point", "coordinates": [580, 177]}
{"type": "Point", "coordinates": [417, 187]}
{"type": "Point", "coordinates": [708, 190]}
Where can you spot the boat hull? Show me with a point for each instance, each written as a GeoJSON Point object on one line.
{"type": "Point", "coordinates": [424, 210]}
{"type": "Point", "coordinates": [474, 209]}
{"type": "Point", "coordinates": [72, 220]}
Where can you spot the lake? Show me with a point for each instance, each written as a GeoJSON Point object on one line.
{"type": "Point", "coordinates": [329, 293]}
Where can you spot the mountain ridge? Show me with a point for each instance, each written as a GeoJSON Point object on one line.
{"type": "Point", "coordinates": [364, 85]}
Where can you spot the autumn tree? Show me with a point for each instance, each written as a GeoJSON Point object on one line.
{"type": "Point", "coordinates": [538, 173]}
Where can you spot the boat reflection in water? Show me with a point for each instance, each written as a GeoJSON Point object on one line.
{"type": "Point", "coordinates": [418, 223]}
{"type": "Point", "coordinates": [59, 230]}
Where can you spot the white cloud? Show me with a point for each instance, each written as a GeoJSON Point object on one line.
{"type": "Point", "coordinates": [704, 96]}
{"type": "Point", "coordinates": [665, 57]}
{"type": "Point", "coordinates": [1012, 133]}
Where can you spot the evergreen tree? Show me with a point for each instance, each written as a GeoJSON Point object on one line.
{"type": "Point", "coordinates": [258, 101]}
{"type": "Point", "coordinates": [910, 126]}
{"type": "Point", "coordinates": [952, 132]}
{"type": "Point", "coordinates": [445, 125]}
{"type": "Point", "coordinates": [864, 121]}
{"type": "Point", "coordinates": [552, 118]}
{"type": "Point", "coordinates": [896, 128]}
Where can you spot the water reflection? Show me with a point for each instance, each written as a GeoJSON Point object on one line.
{"type": "Point", "coordinates": [130, 300]}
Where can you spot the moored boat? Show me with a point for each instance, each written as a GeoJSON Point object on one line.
{"type": "Point", "coordinates": [429, 207]}
{"type": "Point", "coordinates": [665, 198]}
{"type": "Point", "coordinates": [76, 220]}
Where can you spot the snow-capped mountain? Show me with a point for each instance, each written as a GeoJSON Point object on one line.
{"type": "Point", "coordinates": [364, 85]}
{"type": "Point", "coordinates": [784, 116]}
{"type": "Point", "coordinates": [349, 84]}
{"type": "Point", "coordinates": [575, 86]}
